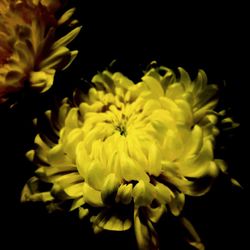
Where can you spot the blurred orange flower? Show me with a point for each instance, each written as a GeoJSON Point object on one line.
{"type": "Point", "coordinates": [30, 49]}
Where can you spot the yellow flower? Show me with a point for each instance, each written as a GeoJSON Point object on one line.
{"type": "Point", "coordinates": [30, 52]}
{"type": "Point", "coordinates": [127, 153]}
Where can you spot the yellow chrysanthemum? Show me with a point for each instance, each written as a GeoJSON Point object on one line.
{"type": "Point", "coordinates": [130, 151]}
{"type": "Point", "coordinates": [30, 53]}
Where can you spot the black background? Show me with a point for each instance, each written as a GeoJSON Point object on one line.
{"type": "Point", "coordinates": [206, 36]}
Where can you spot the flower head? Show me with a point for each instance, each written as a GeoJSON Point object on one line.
{"type": "Point", "coordinates": [126, 153]}
{"type": "Point", "coordinates": [30, 52]}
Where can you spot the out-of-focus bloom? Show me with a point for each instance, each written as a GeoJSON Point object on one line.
{"type": "Point", "coordinates": [127, 153]}
{"type": "Point", "coordinates": [30, 49]}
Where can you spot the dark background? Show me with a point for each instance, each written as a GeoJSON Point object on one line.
{"type": "Point", "coordinates": [197, 36]}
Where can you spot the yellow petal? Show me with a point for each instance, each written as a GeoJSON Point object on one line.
{"type": "Point", "coordinates": [42, 149]}
{"type": "Point", "coordinates": [163, 194]}
{"type": "Point", "coordinates": [110, 187]}
{"type": "Point", "coordinates": [92, 196]}
{"type": "Point", "coordinates": [56, 154]}
{"type": "Point", "coordinates": [177, 204]}
{"type": "Point", "coordinates": [42, 80]}
{"type": "Point", "coordinates": [154, 160]}
{"type": "Point", "coordinates": [168, 78]}
{"type": "Point", "coordinates": [96, 175]}
{"type": "Point", "coordinates": [31, 192]}
{"type": "Point", "coordinates": [77, 203]}
{"type": "Point", "coordinates": [200, 113]}
{"type": "Point", "coordinates": [104, 81]}
{"type": "Point", "coordinates": [206, 95]}
{"type": "Point", "coordinates": [52, 173]}
{"type": "Point", "coordinates": [145, 233]}
{"type": "Point", "coordinates": [83, 212]}
{"type": "Point", "coordinates": [192, 237]}
{"type": "Point", "coordinates": [173, 146]}
{"type": "Point", "coordinates": [194, 143]}
{"type": "Point", "coordinates": [131, 170]}
{"type": "Point", "coordinates": [122, 81]}
{"type": "Point", "coordinates": [30, 154]}
{"type": "Point", "coordinates": [54, 59]}
{"type": "Point", "coordinates": [185, 79]}
{"type": "Point", "coordinates": [82, 159]}
{"type": "Point", "coordinates": [75, 190]}
{"type": "Point", "coordinates": [124, 194]}
{"type": "Point", "coordinates": [72, 57]}
{"type": "Point", "coordinates": [135, 150]}
{"type": "Point", "coordinates": [151, 106]}
{"type": "Point", "coordinates": [186, 112]}
{"type": "Point", "coordinates": [74, 137]}
{"type": "Point", "coordinates": [200, 82]}
{"type": "Point", "coordinates": [65, 40]}
{"type": "Point", "coordinates": [143, 193]}
{"type": "Point", "coordinates": [154, 214]}
{"type": "Point", "coordinates": [153, 85]}
{"type": "Point", "coordinates": [68, 186]}
{"type": "Point", "coordinates": [110, 220]}
{"type": "Point", "coordinates": [72, 120]}
{"type": "Point", "coordinates": [66, 16]}
{"type": "Point", "coordinates": [174, 91]}
{"type": "Point", "coordinates": [236, 183]}
{"type": "Point", "coordinates": [62, 113]}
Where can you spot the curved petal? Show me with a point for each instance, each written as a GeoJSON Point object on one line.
{"type": "Point", "coordinates": [82, 159]}
{"type": "Point", "coordinates": [111, 220]}
{"type": "Point", "coordinates": [192, 237]}
{"type": "Point", "coordinates": [153, 85]}
{"type": "Point", "coordinates": [145, 233]}
{"type": "Point", "coordinates": [110, 187]}
{"type": "Point", "coordinates": [92, 196]}
{"type": "Point", "coordinates": [163, 194]}
{"type": "Point", "coordinates": [124, 194]}
{"type": "Point", "coordinates": [143, 193]}
{"type": "Point", "coordinates": [154, 214]}
{"type": "Point", "coordinates": [177, 204]}
{"type": "Point", "coordinates": [130, 170]}
{"type": "Point", "coordinates": [31, 192]}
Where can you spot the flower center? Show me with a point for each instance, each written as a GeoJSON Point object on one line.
{"type": "Point", "coordinates": [122, 130]}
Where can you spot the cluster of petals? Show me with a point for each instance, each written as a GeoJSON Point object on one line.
{"type": "Point", "coordinates": [125, 153]}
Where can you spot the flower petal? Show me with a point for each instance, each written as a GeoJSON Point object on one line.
{"type": "Point", "coordinates": [153, 85]}
{"type": "Point", "coordinates": [31, 192]}
{"type": "Point", "coordinates": [96, 175]}
{"type": "Point", "coordinates": [192, 238]}
{"type": "Point", "coordinates": [65, 40]}
{"type": "Point", "coordinates": [92, 196]}
{"type": "Point", "coordinates": [124, 194]}
{"type": "Point", "coordinates": [42, 80]}
{"type": "Point", "coordinates": [66, 16]}
{"type": "Point", "coordinates": [145, 233]}
{"type": "Point", "coordinates": [131, 170]}
{"type": "Point", "coordinates": [110, 220]}
{"type": "Point", "coordinates": [143, 193]}
{"type": "Point", "coordinates": [154, 160]}
{"type": "Point", "coordinates": [177, 204]}
{"type": "Point", "coordinates": [110, 188]}
{"type": "Point", "coordinates": [154, 214]}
